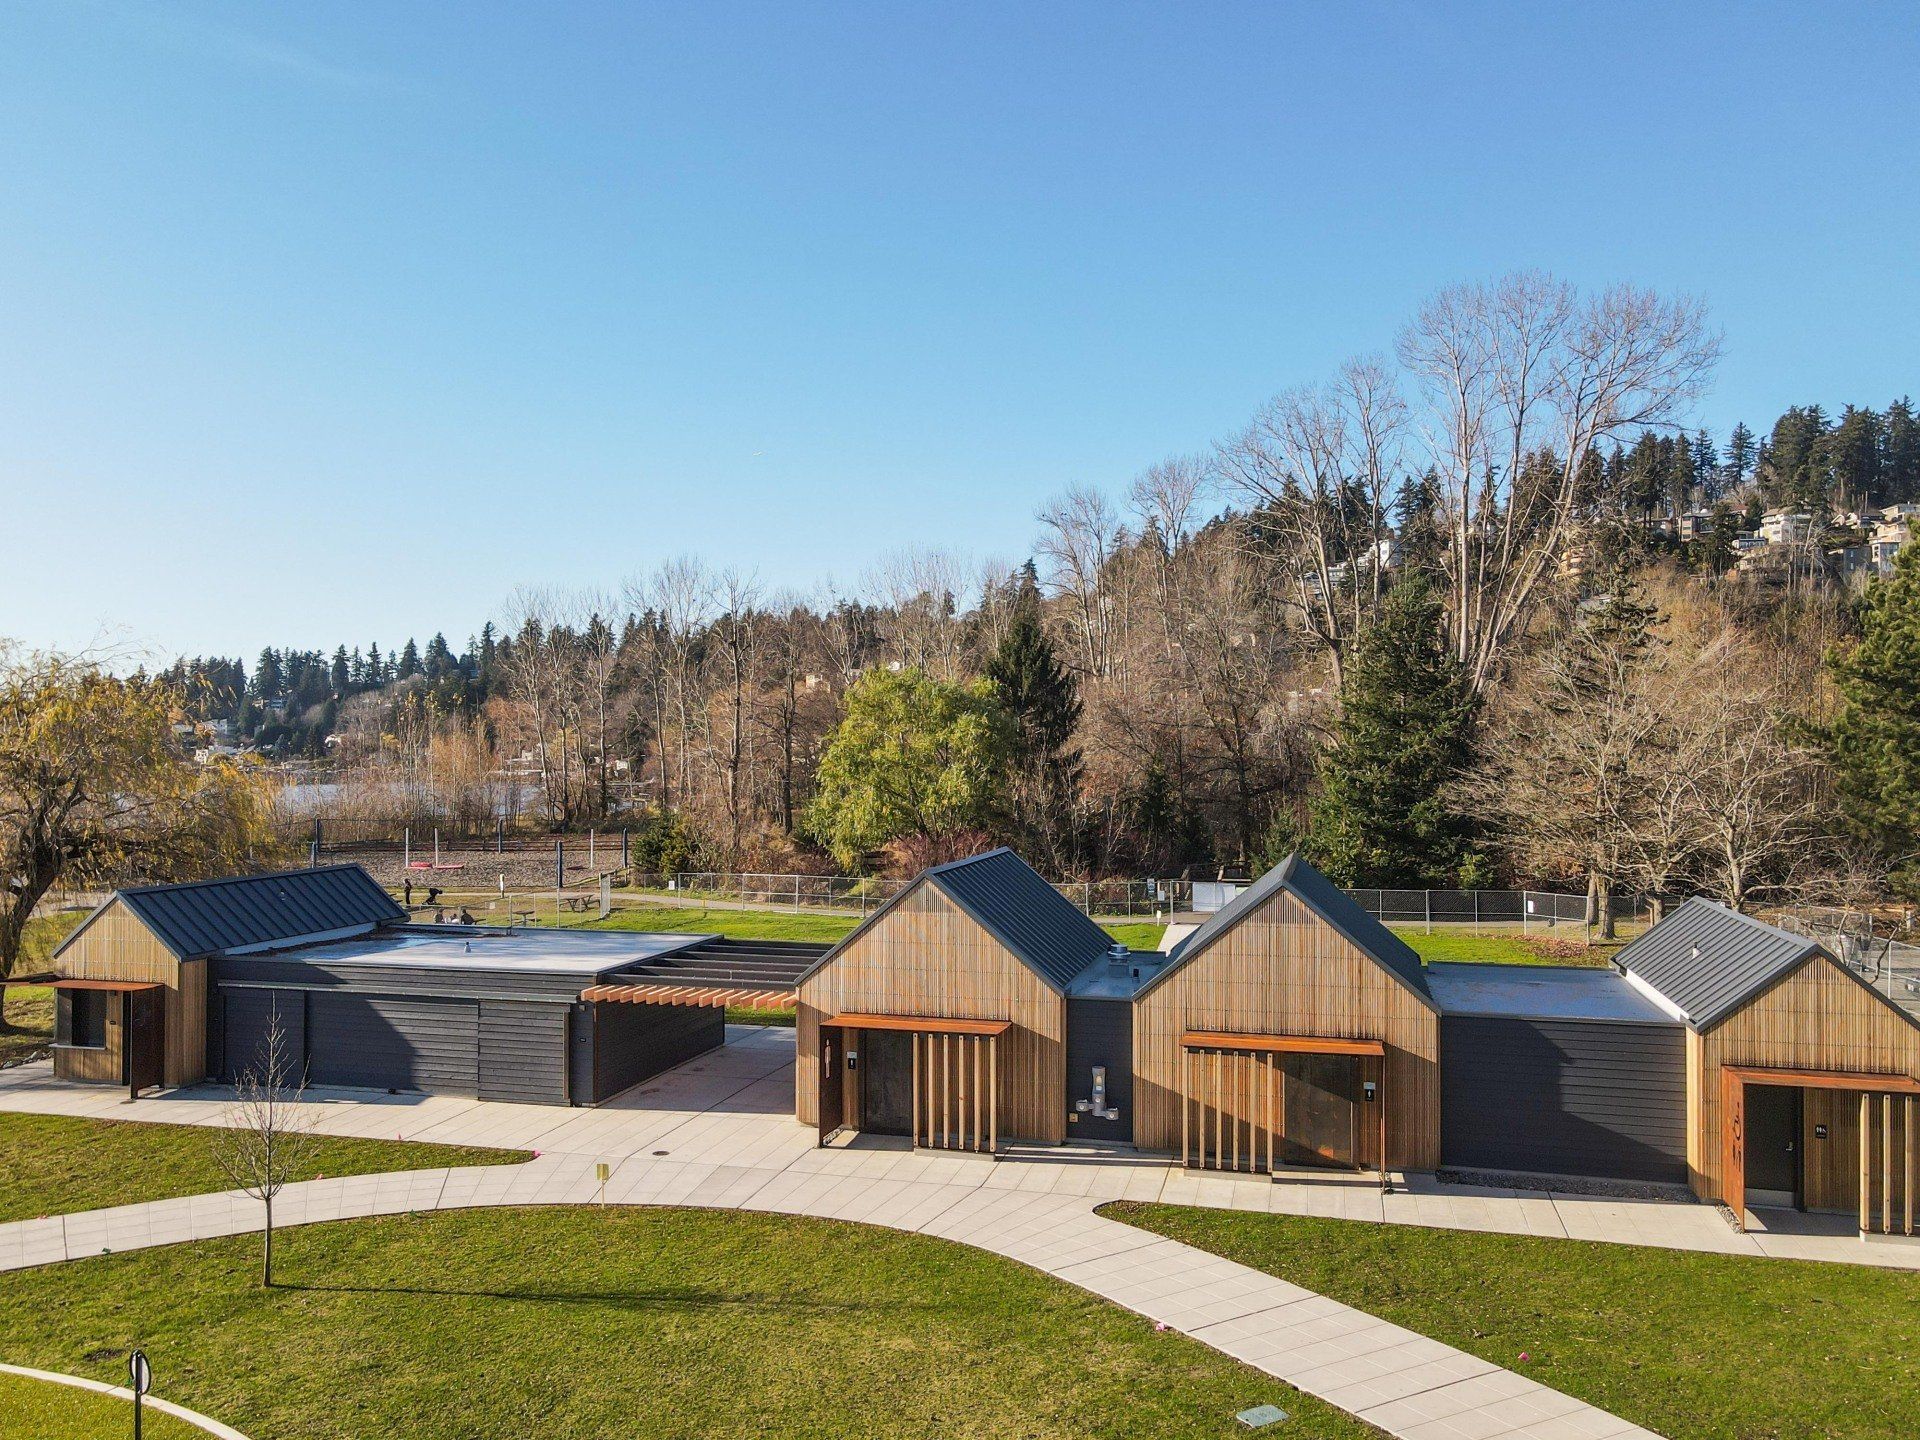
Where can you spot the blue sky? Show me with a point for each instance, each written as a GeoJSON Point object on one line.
{"type": "Point", "coordinates": [341, 321]}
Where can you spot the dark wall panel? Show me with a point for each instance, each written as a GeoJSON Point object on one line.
{"type": "Point", "coordinates": [632, 1043]}
{"type": "Point", "coordinates": [236, 1044]}
{"type": "Point", "coordinates": [1100, 1032]}
{"type": "Point", "coordinates": [523, 1052]}
{"type": "Point", "coordinates": [1564, 1097]}
{"type": "Point", "coordinates": [388, 1043]}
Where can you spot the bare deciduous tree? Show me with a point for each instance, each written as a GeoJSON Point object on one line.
{"type": "Point", "coordinates": [1519, 378]}
{"type": "Point", "coordinates": [267, 1139]}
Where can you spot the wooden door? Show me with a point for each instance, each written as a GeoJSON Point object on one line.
{"type": "Point", "coordinates": [146, 1038]}
{"type": "Point", "coordinates": [832, 1100]}
{"type": "Point", "coordinates": [886, 1082]}
{"type": "Point", "coordinates": [1320, 1095]}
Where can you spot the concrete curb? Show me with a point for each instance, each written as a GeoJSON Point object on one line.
{"type": "Point", "coordinates": [165, 1407]}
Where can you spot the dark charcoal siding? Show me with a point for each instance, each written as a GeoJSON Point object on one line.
{"type": "Point", "coordinates": [237, 1043]}
{"type": "Point", "coordinates": [523, 1052]}
{"type": "Point", "coordinates": [632, 1043]}
{"type": "Point", "coordinates": [389, 1043]}
{"type": "Point", "coordinates": [1100, 1032]}
{"type": "Point", "coordinates": [1564, 1097]}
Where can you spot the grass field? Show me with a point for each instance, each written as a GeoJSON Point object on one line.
{"type": "Point", "coordinates": [573, 1322]}
{"type": "Point", "coordinates": [57, 1164]}
{"type": "Point", "coordinates": [42, 1410]}
{"type": "Point", "coordinates": [1496, 948]}
{"type": "Point", "coordinates": [26, 1011]}
{"type": "Point", "coordinates": [1696, 1347]}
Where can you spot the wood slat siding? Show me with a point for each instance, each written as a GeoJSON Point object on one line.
{"type": "Point", "coordinates": [523, 1052]}
{"type": "Point", "coordinates": [90, 1065]}
{"type": "Point", "coordinates": [1818, 1018]}
{"type": "Point", "coordinates": [927, 956]}
{"type": "Point", "coordinates": [116, 945]}
{"type": "Point", "coordinates": [1284, 971]}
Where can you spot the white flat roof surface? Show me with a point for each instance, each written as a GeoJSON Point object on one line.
{"type": "Point", "coordinates": [526, 950]}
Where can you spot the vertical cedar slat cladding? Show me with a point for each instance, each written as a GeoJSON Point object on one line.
{"type": "Point", "coordinates": [1817, 1018]}
{"type": "Point", "coordinates": [927, 956]}
{"type": "Point", "coordinates": [116, 945]}
{"type": "Point", "coordinates": [1282, 970]}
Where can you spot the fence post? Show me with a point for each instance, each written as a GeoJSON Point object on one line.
{"type": "Point", "coordinates": [499, 836]}
{"type": "Point", "coordinates": [318, 835]}
{"type": "Point", "coordinates": [406, 847]}
{"type": "Point", "coordinates": [796, 892]}
{"type": "Point", "coordinates": [1476, 912]}
{"type": "Point", "coordinates": [1427, 897]}
{"type": "Point", "coordinates": [559, 875]}
{"type": "Point", "coordinates": [590, 839]}
{"type": "Point", "coordinates": [624, 860]}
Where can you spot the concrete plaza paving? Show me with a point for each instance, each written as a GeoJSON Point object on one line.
{"type": "Point", "coordinates": [719, 1132]}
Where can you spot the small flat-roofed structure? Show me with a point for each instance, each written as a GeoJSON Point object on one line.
{"type": "Point", "coordinates": [167, 984]}
{"type": "Point", "coordinates": [1561, 1070]}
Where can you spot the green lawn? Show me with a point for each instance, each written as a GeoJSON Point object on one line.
{"type": "Point", "coordinates": [1496, 948]}
{"type": "Point", "coordinates": [1697, 1347]}
{"type": "Point", "coordinates": [28, 1031]}
{"type": "Point", "coordinates": [576, 1322]}
{"type": "Point", "coordinates": [42, 1410]}
{"type": "Point", "coordinates": [57, 1164]}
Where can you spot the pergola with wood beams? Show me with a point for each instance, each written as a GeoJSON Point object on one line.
{"type": "Point", "coordinates": [1254, 1095]}
{"type": "Point", "coordinates": [956, 1077]}
{"type": "Point", "coordinates": [1886, 1094]}
{"type": "Point", "coordinates": [660, 993]}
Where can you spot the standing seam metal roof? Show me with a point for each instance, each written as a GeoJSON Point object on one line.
{"type": "Point", "coordinates": [209, 916]}
{"type": "Point", "coordinates": [1013, 903]}
{"type": "Point", "coordinates": [1332, 904]}
{"type": "Point", "coordinates": [1710, 960]}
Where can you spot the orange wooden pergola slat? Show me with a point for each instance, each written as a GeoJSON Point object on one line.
{"type": "Point", "coordinates": [926, 1024]}
{"type": "Point", "coordinates": [702, 995]}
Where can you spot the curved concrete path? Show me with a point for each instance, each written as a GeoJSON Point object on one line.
{"type": "Point", "coordinates": [718, 1132]}
{"type": "Point", "coordinates": [120, 1392]}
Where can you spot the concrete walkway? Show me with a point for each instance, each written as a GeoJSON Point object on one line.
{"type": "Point", "coordinates": [718, 1132]}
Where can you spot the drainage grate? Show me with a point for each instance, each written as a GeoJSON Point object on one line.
{"type": "Point", "coordinates": [1261, 1416]}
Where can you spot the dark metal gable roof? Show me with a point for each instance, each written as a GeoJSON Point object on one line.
{"type": "Point", "coordinates": [1010, 900]}
{"type": "Point", "coordinates": [209, 916]}
{"type": "Point", "coordinates": [1709, 960]}
{"type": "Point", "coordinates": [1016, 905]}
{"type": "Point", "coordinates": [1327, 900]}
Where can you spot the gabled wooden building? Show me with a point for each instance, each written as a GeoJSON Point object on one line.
{"type": "Point", "coordinates": [1292, 1028]}
{"type": "Point", "coordinates": [1801, 1078]}
{"type": "Point", "coordinates": [944, 1015]}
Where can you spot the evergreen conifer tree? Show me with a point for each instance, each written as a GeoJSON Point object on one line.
{"type": "Point", "coordinates": [1873, 744]}
{"type": "Point", "coordinates": [1384, 814]}
{"type": "Point", "coordinates": [1041, 697]}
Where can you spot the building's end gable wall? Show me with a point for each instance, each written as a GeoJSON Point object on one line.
{"type": "Point", "coordinates": [1818, 1018]}
{"type": "Point", "coordinates": [1284, 970]}
{"type": "Point", "coordinates": [927, 956]}
{"type": "Point", "coordinates": [115, 944]}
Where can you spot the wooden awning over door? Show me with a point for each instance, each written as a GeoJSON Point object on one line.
{"type": "Point", "coordinates": [119, 985]}
{"type": "Point", "coordinates": [1887, 1111]}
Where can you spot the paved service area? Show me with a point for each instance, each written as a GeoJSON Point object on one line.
{"type": "Point", "coordinates": [719, 1132]}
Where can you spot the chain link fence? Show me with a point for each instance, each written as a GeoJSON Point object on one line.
{"type": "Point", "coordinates": [1888, 964]}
